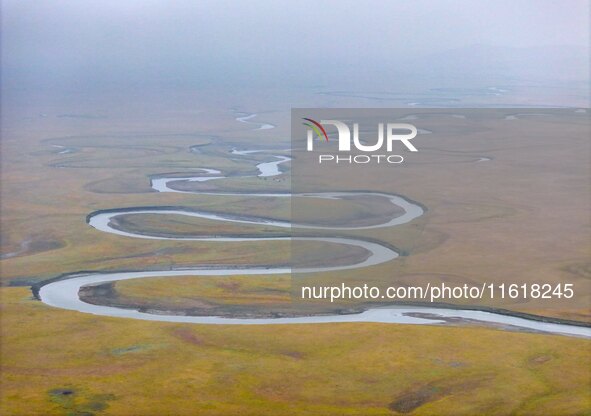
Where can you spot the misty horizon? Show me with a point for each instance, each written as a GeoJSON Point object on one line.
{"type": "Point", "coordinates": [101, 46]}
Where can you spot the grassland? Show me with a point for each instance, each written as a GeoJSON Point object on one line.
{"type": "Point", "coordinates": [118, 366]}
{"type": "Point", "coordinates": [521, 218]}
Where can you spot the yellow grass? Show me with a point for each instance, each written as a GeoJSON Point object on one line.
{"type": "Point", "coordinates": [136, 367]}
{"type": "Point", "coordinates": [520, 218]}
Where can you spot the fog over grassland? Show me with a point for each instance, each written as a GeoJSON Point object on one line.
{"type": "Point", "coordinates": [95, 46]}
{"type": "Point", "coordinates": [157, 199]}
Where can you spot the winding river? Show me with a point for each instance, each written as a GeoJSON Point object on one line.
{"type": "Point", "coordinates": [246, 119]}
{"type": "Point", "coordinates": [64, 293]}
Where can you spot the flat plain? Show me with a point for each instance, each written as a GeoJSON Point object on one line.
{"type": "Point", "coordinates": [521, 216]}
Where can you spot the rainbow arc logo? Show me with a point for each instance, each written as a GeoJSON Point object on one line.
{"type": "Point", "coordinates": [316, 126]}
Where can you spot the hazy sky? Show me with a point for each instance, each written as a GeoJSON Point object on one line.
{"type": "Point", "coordinates": [217, 41]}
